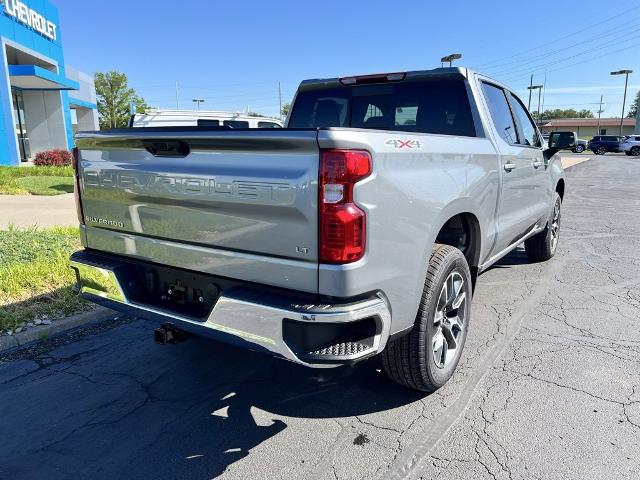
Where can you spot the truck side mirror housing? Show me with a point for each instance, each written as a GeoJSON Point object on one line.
{"type": "Point", "coordinates": [562, 140]}
{"type": "Point", "coordinates": [559, 141]}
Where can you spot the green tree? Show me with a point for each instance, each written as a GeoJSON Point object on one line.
{"type": "Point", "coordinates": [633, 108]}
{"type": "Point", "coordinates": [115, 98]}
{"type": "Point", "coordinates": [285, 109]}
{"type": "Point", "coordinates": [564, 113]}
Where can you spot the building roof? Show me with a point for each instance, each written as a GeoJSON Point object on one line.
{"type": "Point", "coordinates": [587, 122]}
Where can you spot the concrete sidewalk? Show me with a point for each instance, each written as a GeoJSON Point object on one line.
{"type": "Point", "coordinates": [568, 162]}
{"type": "Point", "coordinates": [43, 211]}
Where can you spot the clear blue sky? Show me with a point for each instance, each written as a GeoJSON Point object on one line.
{"type": "Point", "coordinates": [233, 53]}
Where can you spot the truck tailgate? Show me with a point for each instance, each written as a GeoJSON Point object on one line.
{"type": "Point", "coordinates": [241, 204]}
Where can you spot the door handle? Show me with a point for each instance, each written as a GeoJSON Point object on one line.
{"type": "Point", "coordinates": [509, 166]}
{"type": "Point", "coordinates": [537, 164]}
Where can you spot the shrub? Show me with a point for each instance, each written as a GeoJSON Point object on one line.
{"type": "Point", "coordinates": [54, 158]}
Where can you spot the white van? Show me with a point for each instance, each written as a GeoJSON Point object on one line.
{"type": "Point", "coordinates": [191, 118]}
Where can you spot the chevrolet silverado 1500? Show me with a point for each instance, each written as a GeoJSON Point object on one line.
{"type": "Point", "coordinates": [357, 230]}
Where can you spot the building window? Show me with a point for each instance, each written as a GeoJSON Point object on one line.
{"type": "Point", "coordinates": [21, 130]}
{"type": "Point", "coordinates": [603, 131]}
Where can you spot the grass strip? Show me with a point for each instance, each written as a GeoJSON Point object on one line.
{"type": "Point", "coordinates": [36, 180]}
{"type": "Point", "coordinates": [36, 282]}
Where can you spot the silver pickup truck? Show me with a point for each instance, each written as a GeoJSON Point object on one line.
{"type": "Point", "coordinates": [357, 230]}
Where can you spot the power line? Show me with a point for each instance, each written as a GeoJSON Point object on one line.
{"type": "Point", "coordinates": [213, 86]}
{"type": "Point", "coordinates": [576, 63]}
{"type": "Point", "coordinates": [588, 27]}
{"type": "Point", "coordinates": [533, 68]}
{"type": "Point", "coordinates": [225, 99]}
{"type": "Point", "coordinates": [551, 53]}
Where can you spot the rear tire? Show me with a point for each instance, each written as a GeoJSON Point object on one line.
{"type": "Point", "coordinates": [426, 358]}
{"type": "Point", "coordinates": [542, 247]}
{"type": "Point", "coordinates": [579, 149]}
{"type": "Point", "coordinates": [600, 151]}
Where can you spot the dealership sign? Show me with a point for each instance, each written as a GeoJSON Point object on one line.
{"type": "Point", "coordinates": [29, 17]}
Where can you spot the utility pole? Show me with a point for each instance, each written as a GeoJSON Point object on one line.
{"type": "Point", "coordinates": [544, 90]}
{"type": "Point", "coordinates": [177, 101]}
{"type": "Point", "coordinates": [539, 88]}
{"type": "Point", "coordinates": [539, 97]}
{"type": "Point", "coordinates": [530, 85]}
{"type": "Point", "coordinates": [624, 99]}
{"type": "Point", "coordinates": [599, 113]}
{"type": "Point", "coordinates": [280, 101]}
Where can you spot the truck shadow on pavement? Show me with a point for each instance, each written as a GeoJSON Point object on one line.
{"type": "Point", "coordinates": [120, 406]}
{"type": "Point", "coordinates": [516, 257]}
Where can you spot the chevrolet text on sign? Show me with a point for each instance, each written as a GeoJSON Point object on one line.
{"type": "Point", "coordinates": [22, 13]}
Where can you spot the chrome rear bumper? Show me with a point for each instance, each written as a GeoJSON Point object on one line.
{"type": "Point", "coordinates": [247, 316]}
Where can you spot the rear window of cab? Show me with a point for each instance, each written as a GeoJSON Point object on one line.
{"type": "Point", "coordinates": [439, 106]}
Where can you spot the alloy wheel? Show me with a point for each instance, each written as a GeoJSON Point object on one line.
{"type": "Point", "coordinates": [555, 226]}
{"type": "Point", "coordinates": [449, 319]}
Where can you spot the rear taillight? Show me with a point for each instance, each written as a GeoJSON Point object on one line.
{"type": "Point", "coordinates": [75, 159]}
{"type": "Point", "coordinates": [341, 223]}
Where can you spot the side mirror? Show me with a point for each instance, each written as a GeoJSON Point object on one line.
{"type": "Point", "coordinates": [559, 141]}
{"type": "Point", "coordinates": [562, 140]}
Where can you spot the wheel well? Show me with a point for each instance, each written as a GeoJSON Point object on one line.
{"type": "Point", "coordinates": [560, 189]}
{"type": "Point", "coordinates": [463, 232]}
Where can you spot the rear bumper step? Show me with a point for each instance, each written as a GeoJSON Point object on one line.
{"type": "Point", "coordinates": [278, 323]}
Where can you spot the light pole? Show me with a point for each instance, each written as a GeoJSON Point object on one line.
{"type": "Point", "coordinates": [450, 58]}
{"type": "Point", "coordinates": [624, 99]}
{"type": "Point", "coordinates": [198, 101]}
{"type": "Point", "coordinates": [539, 88]}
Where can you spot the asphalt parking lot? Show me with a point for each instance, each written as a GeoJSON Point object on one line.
{"type": "Point", "coordinates": [548, 386]}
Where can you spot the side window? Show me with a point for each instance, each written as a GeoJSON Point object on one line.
{"type": "Point", "coordinates": [268, 125]}
{"type": "Point", "coordinates": [321, 108]}
{"type": "Point", "coordinates": [529, 132]}
{"type": "Point", "coordinates": [208, 123]}
{"type": "Point", "coordinates": [500, 113]}
{"type": "Point", "coordinates": [236, 123]}
{"type": "Point", "coordinates": [406, 115]}
{"type": "Point", "coordinates": [370, 112]}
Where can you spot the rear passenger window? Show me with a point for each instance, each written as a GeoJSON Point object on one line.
{"type": "Point", "coordinates": [500, 113]}
{"type": "Point", "coordinates": [268, 125]}
{"type": "Point", "coordinates": [529, 132]}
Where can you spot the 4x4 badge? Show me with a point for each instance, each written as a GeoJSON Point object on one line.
{"type": "Point", "coordinates": [397, 143]}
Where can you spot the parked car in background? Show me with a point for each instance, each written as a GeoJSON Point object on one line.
{"type": "Point", "coordinates": [631, 145]}
{"type": "Point", "coordinates": [581, 145]}
{"type": "Point", "coordinates": [188, 118]}
{"type": "Point", "coordinates": [602, 144]}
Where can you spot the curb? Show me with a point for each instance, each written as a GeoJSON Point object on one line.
{"type": "Point", "coordinates": [97, 314]}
